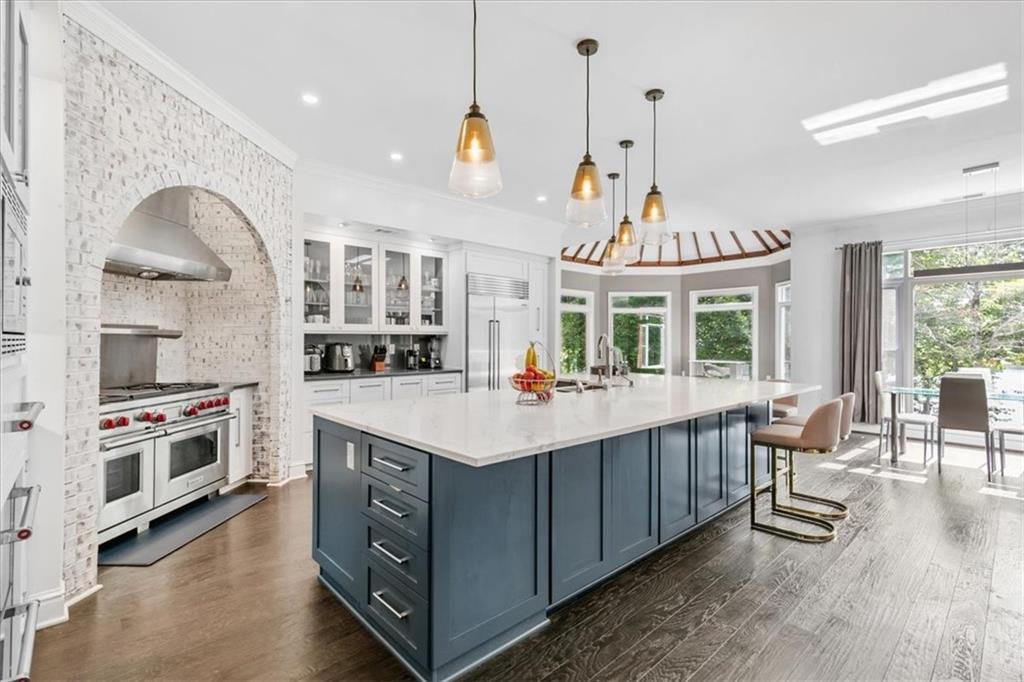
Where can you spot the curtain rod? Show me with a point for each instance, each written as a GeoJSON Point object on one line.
{"type": "Point", "coordinates": [951, 239]}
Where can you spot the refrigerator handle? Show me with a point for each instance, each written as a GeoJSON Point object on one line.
{"type": "Point", "coordinates": [497, 360]}
{"type": "Point", "coordinates": [490, 354]}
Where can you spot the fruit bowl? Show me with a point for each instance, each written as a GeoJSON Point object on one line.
{"type": "Point", "coordinates": [535, 383]}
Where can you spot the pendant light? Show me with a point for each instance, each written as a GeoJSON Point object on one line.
{"type": "Point", "coordinates": [586, 204]}
{"type": "Point", "coordinates": [475, 170]}
{"type": "Point", "coordinates": [626, 235]}
{"type": "Point", "coordinates": [612, 260]}
{"type": "Point", "coordinates": [357, 284]}
{"type": "Point", "coordinates": [653, 213]}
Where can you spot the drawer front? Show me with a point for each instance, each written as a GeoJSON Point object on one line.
{"type": "Point", "coordinates": [326, 391]}
{"type": "Point", "coordinates": [397, 465]}
{"type": "Point", "coordinates": [401, 614]}
{"type": "Point", "coordinates": [444, 391]}
{"type": "Point", "coordinates": [444, 381]}
{"type": "Point", "coordinates": [406, 388]}
{"type": "Point", "coordinates": [370, 390]}
{"type": "Point", "coordinates": [402, 513]}
{"type": "Point", "coordinates": [398, 556]}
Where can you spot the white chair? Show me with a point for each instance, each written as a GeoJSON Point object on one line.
{"type": "Point", "coordinates": [927, 422]}
{"type": "Point", "coordinates": [1000, 431]}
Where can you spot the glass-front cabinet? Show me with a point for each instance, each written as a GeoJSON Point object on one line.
{"type": "Point", "coordinates": [351, 285]}
{"type": "Point", "coordinates": [398, 287]}
{"type": "Point", "coordinates": [316, 286]}
{"type": "Point", "coordinates": [432, 313]}
{"type": "Point", "coordinates": [360, 293]}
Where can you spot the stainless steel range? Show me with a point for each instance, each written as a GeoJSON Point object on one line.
{"type": "Point", "coordinates": [161, 446]}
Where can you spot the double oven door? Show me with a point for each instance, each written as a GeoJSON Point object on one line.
{"type": "Point", "coordinates": [126, 479]}
{"type": "Point", "coordinates": [190, 457]}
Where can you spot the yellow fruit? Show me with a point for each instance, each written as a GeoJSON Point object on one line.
{"type": "Point", "coordinates": [531, 356]}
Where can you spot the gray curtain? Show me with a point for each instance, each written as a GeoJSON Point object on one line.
{"type": "Point", "coordinates": [860, 326]}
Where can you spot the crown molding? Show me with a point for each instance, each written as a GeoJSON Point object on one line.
{"type": "Point", "coordinates": [99, 21]}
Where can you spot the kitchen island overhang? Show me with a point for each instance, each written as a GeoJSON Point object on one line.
{"type": "Point", "coordinates": [452, 526]}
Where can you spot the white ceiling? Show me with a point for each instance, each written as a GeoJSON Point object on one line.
{"type": "Point", "coordinates": [739, 78]}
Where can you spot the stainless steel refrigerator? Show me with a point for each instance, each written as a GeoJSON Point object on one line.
{"type": "Point", "coordinates": [497, 329]}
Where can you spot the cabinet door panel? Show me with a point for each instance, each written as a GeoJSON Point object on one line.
{"type": "Point", "coordinates": [337, 522]}
{"type": "Point", "coordinates": [736, 456]}
{"type": "Point", "coordinates": [633, 467]}
{"type": "Point", "coordinates": [580, 506]}
{"type": "Point", "coordinates": [757, 416]}
{"type": "Point", "coordinates": [677, 464]}
{"type": "Point", "coordinates": [711, 493]}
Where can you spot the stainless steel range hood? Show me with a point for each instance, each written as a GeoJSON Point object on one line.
{"type": "Point", "coordinates": [155, 242]}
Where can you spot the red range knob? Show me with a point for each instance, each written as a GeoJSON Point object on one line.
{"type": "Point", "coordinates": [227, 400]}
{"type": "Point", "coordinates": [123, 421]}
{"type": "Point", "coordinates": [160, 417]}
{"type": "Point", "coordinates": [190, 411]}
{"type": "Point", "coordinates": [146, 416]}
{"type": "Point", "coordinates": [107, 424]}
{"type": "Point", "coordinates": [204, 404]}
{"type": "Point", "coordinates": [222, 401]}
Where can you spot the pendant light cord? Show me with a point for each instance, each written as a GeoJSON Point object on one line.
{"type": "Point", "coordinates": [613, 208]}
{"type": "Point", "coordinates": [654, 146]}
{"type": "Point", "coordinates": [588, 104]}
{"type": "Point", "coordinates": [474, 52]}
{"type": "Point", "coordinates": [625, 194]}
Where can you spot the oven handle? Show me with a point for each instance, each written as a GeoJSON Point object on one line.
{"type": "Point", "coordinates": [196, 424]}
{"type": "Point", "coordinates": [108, 445]}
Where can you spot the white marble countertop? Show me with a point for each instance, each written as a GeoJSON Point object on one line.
{"type": "Point", "coordinates": [488, 427]}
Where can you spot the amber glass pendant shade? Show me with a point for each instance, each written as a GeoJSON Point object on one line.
{"type": "Point", "coordinates": [626, 236]}
{"type": "Point", "coordinates": [613, 260]}
{"type": "Point", "coordinates": [586, 203]}
{"type": "Point", "coordinates": [475, 171]}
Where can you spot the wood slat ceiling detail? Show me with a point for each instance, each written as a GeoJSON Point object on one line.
{"type": "Point", "coordinates": [692, 248]}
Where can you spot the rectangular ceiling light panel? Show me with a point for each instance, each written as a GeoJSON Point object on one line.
{"type": "Point", "coordinates": [831, 130]}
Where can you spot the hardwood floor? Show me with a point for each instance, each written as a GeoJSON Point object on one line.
{"type": "Point", "coordinates": [924, 581]}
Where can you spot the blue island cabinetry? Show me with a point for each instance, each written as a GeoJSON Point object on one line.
{"type": "Point", "coordinates": [447, 563]}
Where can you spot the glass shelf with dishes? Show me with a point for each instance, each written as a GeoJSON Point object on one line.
{"type": "Point", "coordinates": [316, 270]}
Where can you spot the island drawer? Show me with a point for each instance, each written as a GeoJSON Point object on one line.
{"type": "Point", "coordinates": [398, 556]}
{"type": "Point", "coordinates": [399, 511]}
{"type": "Point", "coordinates": [402, 616]}
{"type": "Point", "coordinates": [397, 465]}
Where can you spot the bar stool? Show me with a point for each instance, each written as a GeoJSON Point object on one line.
{"type": "Point", "coordinates": [845, 429]}
{"type": "Point", "coordinates": [820, 434]}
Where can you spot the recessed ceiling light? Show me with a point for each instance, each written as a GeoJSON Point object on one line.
{"type": "Point", "coordinates": [541, 198]}
{"type": "Point", "coordinates": [310, 98]}
{"type": "Point", "coordinates": [342, 225]}
{"type": "Point", "coordinates": [396, 156]}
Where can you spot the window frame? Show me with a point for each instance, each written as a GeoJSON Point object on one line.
{"type": "Point", "coordinates": [752, 305]}
{"type": "Point", "coordinates": [780, 331]}
{"type": "Point", "coordinates": [665, 311]}
{"type": "Point", "coordinates": [587, 309]}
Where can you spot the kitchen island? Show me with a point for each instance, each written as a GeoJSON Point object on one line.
{"type": "Point", "coordinates": [451, 526]}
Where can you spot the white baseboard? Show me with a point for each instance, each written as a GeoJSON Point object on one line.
{"type": "Point", "coordinates": [297, 477]}
{"type": "Point", "coordinates": [52, 608]}
{"type": "Point", "coordinates": [82, 595]}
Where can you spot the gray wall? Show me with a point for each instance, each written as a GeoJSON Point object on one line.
{"type": "Point", "coordinates": [679, 286]}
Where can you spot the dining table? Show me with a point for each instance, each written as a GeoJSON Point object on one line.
{"type": "Point", "coordinates": [925, 392]}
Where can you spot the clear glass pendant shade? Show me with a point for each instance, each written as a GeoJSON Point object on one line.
{"type": "Point", "coordinates": [653, 216]}
{"type": "Point", "coordinates": [586, 200]}
{"type": "Point", "coordinates": [475, 171]}
{"type": "Point", "coordinates": [613, 260]}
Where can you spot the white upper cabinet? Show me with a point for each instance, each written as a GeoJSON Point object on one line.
{"type": "Point", "coordinates": [14, 94]}
{"type": "Point", "coordinates": [351, 285]}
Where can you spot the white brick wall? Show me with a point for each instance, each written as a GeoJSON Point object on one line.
{"type": "Point", "coordinates": [127, 135]}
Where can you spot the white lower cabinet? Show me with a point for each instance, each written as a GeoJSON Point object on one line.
{"type": "Point", "coordinates": [370, 390]}
{"type": "Point", "coordinates": [406, 387]}
{"type": "Point", "coordinates": [444, 384]}
{"type": "Point", "coordinates": [241, 432]}
{"type": "Point", "coordinates": [319, 393]}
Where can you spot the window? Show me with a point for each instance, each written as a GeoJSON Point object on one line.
{"type": "Point", "coordinates": [723, 333]}
{"type": "Point", "coordinates": [957, 306]}
{"type": "Point", "coordinates": [576, 320]}
{"type": "Point", "coordinates": [639, 324]}
{"type": "Point", "coordinates": [783, 331]}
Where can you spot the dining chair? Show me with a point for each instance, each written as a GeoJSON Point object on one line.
{"type": "Point", "coordinates": [927, 422]}
{"type": "Point", "coordinates": [999, 431]}
{"type": "Point", "coordinates": [963, 406]}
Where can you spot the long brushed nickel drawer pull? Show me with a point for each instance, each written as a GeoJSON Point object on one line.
{"type": "Point", "coordinates": [400, 615]}
{"type": "Point", "coordinates": [390, 464]}
{"type": "Point", "coordinates": [394, 557]}
{"type": "Point", "coordinates": [389, 509]}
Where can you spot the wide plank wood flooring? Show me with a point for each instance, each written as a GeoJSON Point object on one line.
{"type": "Point", "coordinates": [925, 581]}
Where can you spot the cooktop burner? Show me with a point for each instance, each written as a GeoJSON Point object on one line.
{"type": "Point", "coordinates": [117, 394]}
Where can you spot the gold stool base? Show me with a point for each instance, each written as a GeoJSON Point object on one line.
{"type": "Point", "coordinates": [821, 519]}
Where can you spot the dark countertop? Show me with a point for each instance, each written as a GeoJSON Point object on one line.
{"type": "Point", "coordinates": [229, 385]}
{"type": "Point", "coordinates": [362, 373]}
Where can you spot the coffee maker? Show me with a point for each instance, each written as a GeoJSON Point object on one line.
{"type": "Point", "coordinates": [434, 353]}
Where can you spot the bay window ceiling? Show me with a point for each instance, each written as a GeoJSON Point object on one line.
{"type": "Point", "coordinates": [952, 307]}
{"type": "Point", "coordinates": [723, 333]}
{"type": "Point", "coordinates": [639, 323]}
